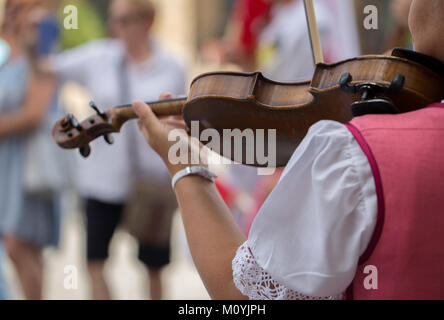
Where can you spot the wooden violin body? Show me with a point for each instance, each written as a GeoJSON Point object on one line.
{"type": "Point", "coordinates": [226, 100]}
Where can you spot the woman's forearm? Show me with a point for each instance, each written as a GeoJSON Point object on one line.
{"type": "Point", "coordinates": [212, 234]}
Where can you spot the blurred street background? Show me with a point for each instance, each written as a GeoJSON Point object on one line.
{"type": "Point", "coordinates": [126, 275]}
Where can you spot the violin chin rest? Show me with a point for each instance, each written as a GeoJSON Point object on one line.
{"type": "Point", "coordinates": [373, 106]}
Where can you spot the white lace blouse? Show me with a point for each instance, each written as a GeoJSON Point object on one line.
{"type": "Point", "coordinates": [307, 238]}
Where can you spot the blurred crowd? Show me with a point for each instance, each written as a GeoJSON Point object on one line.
{"type": "Point", "coordinates": [116, 58]}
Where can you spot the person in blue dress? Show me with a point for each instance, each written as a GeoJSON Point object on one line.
{"type": "Point", "coordinates": [3, 285]}
{"type": "Point", "coordinates": [29, 221]}
{"type": "Point", "coordinates": [4, 56]}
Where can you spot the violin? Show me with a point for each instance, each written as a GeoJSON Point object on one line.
{"type": "Point", "coordinates": [403, 82]}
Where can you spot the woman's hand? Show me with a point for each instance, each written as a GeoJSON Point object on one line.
{"type": "Point", "coordinates": [162, 134]}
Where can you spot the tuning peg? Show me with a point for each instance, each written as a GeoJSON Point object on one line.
{"type": "Point", "coordinates": [397, 83]}
{"type": "Point", "coordinates": [344, 83]}
{"type": "Point", "coordinates": [71, 122]}
{"type": "Point", "coordinates": [97, 110]}
{"type": "Point", "coordinates": [109, 139]}
{"type": "Point", "coordinates": [85, 151]}
{"type": "Point", "coordinates": [65, 124]}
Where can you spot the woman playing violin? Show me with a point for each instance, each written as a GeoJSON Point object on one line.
{"type": "Point", "coordinates": [355, 200]}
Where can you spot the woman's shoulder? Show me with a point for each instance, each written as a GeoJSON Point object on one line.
{"type": "Point", "coordinates": [328, 130]}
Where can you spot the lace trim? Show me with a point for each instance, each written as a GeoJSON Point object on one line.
{"type": "Point", "coordinates": [255, 283]}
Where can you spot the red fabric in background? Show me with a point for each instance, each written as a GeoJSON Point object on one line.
{"type": "Point", "coordinates": [226, 192]}
{"type": "Point", "coordinates": [250, 13]}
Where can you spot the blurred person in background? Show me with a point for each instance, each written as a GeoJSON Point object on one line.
{"type": "Point", "coordinates": [284, 45]}
{"type": "Point", "coordinates": [271, 36]}
{"type": "Point", "coordinates": [4, 56]}
{"type": "Point", "coordinates": [29, 219]}
{"type": "Point", "coordinates": [248, 18]}
{"type": "Point", "coordinates": [3, 285]}
{"type": "Point", "coordinates": [116, 71]}
{"type": "Point", "coordinates": [237, 47]}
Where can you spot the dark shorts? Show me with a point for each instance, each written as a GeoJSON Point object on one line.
{"type": "Point", "coordinates": [102, 219]}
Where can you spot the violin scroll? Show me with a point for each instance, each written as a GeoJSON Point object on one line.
{"type": "Point", "coordinates": [108, 138]}
{"type": "Point", "coordinates": [69, 133]}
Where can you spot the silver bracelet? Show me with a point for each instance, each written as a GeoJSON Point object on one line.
{"type": "Point", "coordinates": [196, 170]}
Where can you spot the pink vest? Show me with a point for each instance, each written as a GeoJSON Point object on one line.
{"type": "Point", "coordinates": [406, 154]}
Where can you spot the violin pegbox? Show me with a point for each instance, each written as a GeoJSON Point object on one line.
{"type": "Point", "coordinates": [108, 138]}
{"type": "Point", "coordinates": [69, 133]}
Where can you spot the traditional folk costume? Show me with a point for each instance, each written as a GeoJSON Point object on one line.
{"type": "Point", "coordinates": [368, 193]}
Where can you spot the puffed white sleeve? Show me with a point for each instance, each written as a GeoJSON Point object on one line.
{"type": "Point", "coordinates": [306, 240]}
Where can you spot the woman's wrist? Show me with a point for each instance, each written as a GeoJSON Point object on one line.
{"type": "Point", "coordinates": [190, 171]}
{"type": "Point", "coordinates": [175, 168]}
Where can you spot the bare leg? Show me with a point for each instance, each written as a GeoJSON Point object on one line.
{"type": "Point", "coordinates": [27, 260]}
{"type": "Point", "coordinates": [99, 287]}
{"type": "Point", "coordinates": [155, 284]}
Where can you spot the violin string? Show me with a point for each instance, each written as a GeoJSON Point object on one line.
{"type": "Point", "coordinates": [155, 102]}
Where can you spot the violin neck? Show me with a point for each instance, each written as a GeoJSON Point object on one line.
{"type": "Point", "coordinates": [170, 107]}
{"type": "Point", "coordinates": [161, 108]}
